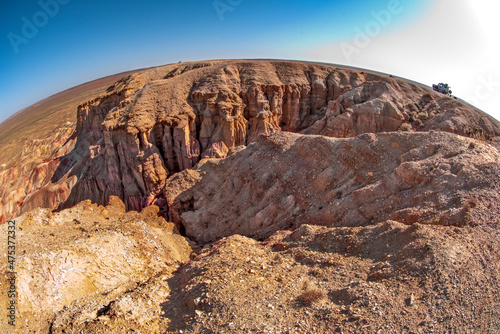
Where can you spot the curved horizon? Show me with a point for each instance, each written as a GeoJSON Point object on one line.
{"type": "Point", "coordinates": [203, 60]}
{"type": "Point", "coordinates": [51, 45]}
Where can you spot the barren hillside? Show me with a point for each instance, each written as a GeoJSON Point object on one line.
{"type": "Point", "coordinates": [154, 123]}
{"type": "Point", "coordinates": [253, 197]}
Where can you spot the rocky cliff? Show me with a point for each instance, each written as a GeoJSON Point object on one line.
{"type": "Point", "coordinates": [34, 143]}
{"type": "Point", "coordinates": [285, 180]}
{"type": "Point", "coordinates": [170, 124]}
{"type": "Point", "coordinates": [154, 123]}
{"type": "Point", "coordinates": [240, 196]}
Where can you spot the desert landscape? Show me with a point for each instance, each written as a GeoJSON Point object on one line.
{"type": "Point", "coordinates": [250, 196]}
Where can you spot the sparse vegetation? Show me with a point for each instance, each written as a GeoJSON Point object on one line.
{"type": "Point", "coordinates": [413, 107]}
{"type": "Point", "coordinates": [422, 116]}
{"type": "Point", "coordinates": [316, 272]}
{"type": "Point", "coordinates": [472, 203]}
{"type": "Point", "coordinates": [405, 127]}
{"type": "Point", "coordinates": [311, 296]}
{"type": "Point", "coordinates": [479, 134]}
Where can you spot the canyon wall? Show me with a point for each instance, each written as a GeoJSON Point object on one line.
{"type": "Point", "coordinates": [285, 180]}
{"type": "Point", "coordinates": [320, 198]}
{"type": "Point", "coordinates": [152, 124]}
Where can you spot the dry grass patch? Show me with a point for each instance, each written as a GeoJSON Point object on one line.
{"type": "Point", "coordinates": [311, 296]}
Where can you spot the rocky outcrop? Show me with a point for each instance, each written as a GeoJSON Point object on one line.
{"type": "Point", "coordinates": [170, 124]}
{"type": "Point", "coordinates": [29, 183]}
{"type": "Point", "coordinates": [321, 200]}
{"type": "Point", "coordinates": [36, 145]}
{"type": "Point", "coordinates": [77, 267]}
{"type": "Point", "coordinates": [285, 180]}
{"type": "Point", "coordinates": [154, 123]}
{"type": "Point", "coordinates": [95, 269]}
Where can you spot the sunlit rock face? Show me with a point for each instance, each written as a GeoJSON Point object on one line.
{"type": "Point", "coordinates": [244, 196]}
{"type": "Point", "coordinates": [154, 123]}
{"type": "Point", "coordinates": [73, 264]}
{"type": "Point", "coordinates": [285, 180]}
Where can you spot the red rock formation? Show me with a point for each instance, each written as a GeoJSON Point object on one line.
{"type": "Point", "coordinates": [29, 183]}
{"type": "Point", "coordinates": [286, 180]}
{"type": "Point", "coordinates": [259, 148]}
{"type": "Point", "coordinates": [160, 121]}
{"type": "Point", "coordinates": [171, 123]}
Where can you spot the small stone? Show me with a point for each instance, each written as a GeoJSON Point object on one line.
{"type": "Point", "coordinates": [410, 301]}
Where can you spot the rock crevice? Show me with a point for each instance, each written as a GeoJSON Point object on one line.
{"type": "Point", "coordinates": [158, 122]}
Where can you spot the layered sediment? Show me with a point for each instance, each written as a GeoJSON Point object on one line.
{"type": "Point", "coordinates": [155, 123]}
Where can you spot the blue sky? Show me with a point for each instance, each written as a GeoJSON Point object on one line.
{"type": "Point", "coordinates": [76, 41]}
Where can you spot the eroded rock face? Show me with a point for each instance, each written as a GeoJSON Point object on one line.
{"type": "Point", "coordinates": [286, 179]}
{"type": "Point", "coordinates": [365, 186]}
{"type": "Point", "coordinates": [29, 184]}
{"type": "Point", "coordinates": [171, 123]}
{"type": "Point", "coordinates": [82, 264]}
{"type": "Point", "coordinates": [152, 124]}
